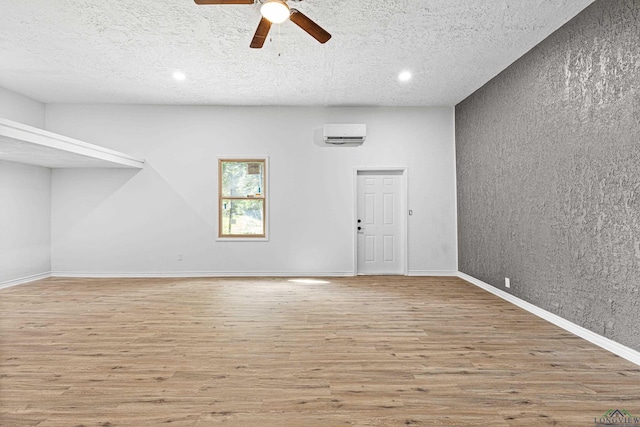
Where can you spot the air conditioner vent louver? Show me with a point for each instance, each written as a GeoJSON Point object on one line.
{"type": "Point", "coordinates": [340, 134]}
{"type": "Point", "coordinates": [343, 139]}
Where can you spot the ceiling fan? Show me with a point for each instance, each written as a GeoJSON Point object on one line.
{"type": "Point", "coordinates": [276, 12]}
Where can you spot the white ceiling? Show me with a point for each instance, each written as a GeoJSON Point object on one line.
{"type": "Point", "coordinates": [125, 51]}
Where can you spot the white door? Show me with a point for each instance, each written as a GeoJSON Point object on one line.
{"type": "Point", "coordinates": [379, 223]}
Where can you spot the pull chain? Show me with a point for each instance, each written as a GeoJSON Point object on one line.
{"type": "Point", "coordinates": [278, 37]}
{"type": "Point", "coordinates": [278, 43]}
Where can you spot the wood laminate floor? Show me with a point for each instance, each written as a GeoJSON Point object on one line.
{"type": "Point", "coordinates": [366, 351]}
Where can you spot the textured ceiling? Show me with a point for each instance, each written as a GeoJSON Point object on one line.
{"type": "Point", "coordinates": [123, 51]}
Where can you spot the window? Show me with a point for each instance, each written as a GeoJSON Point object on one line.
{"type": "Point", "coordinates": [242, 198]}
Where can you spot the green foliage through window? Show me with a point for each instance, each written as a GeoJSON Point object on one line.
{"type": "Point", "coordinates": [242, 198]}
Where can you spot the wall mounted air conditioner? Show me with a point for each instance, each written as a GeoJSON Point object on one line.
{"type": "Point", "coordinates": [338, 134]}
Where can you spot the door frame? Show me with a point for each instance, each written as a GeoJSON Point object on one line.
{"type": "Point", "coordinates": [404, 191]}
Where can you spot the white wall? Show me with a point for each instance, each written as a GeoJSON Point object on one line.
{"type": "Point", "coordinates": [121, 222]}
{"type": "Point", "coordinates": [25, 203]}
{"type": "Point", "coordinates": [19, 108]}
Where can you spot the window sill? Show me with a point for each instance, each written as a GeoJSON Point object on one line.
{"type": "Point", "coordinates": [242, 239]}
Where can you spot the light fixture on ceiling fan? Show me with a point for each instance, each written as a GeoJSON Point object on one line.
{"type": "Point", "coordinates": [276, 12]}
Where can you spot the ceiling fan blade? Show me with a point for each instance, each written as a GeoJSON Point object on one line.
{"type": "Point", "coordinates": [261, 33]}
{"type": "Point", "coordinates": [314, 30]}
{"type": "Point", "coordinates": [224, 1]}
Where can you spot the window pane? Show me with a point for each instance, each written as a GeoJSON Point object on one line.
{"type": "Point", "coordinates": [240, 179]}
{"type": "Point", "coordinates": [242, 217]}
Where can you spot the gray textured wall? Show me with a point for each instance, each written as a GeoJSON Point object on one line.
{"type": "Point", "coordinates": [548, 167]}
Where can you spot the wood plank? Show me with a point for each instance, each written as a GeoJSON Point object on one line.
{"type": "Point", "coordinates": [365, 351]}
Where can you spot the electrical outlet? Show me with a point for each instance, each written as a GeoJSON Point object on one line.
{"type": "Point", "coordinates": [180, 257]}
{"type": "Point", "coordinates": [507, 282]}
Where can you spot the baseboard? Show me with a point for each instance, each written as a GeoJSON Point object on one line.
{"type": "Point", "coordinates": [23, 280]}
{"type": "Point", "coordinates": [194, 274]}
{"type": "Point", "coordinates": [432, 273]}
{"type": "Point", "coordinates": [187, 274]}
{"type": "Point", "coordinates": [616, 348]}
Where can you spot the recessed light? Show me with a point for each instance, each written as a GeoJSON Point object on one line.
{"type": "Point", "coordinates": [179, 75]}
{"type": "Point", "coordinates": [404, 76]}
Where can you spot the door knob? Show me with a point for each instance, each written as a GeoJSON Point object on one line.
{"type": "Point", "coordinates": [359, 221]}
{"type": "Point", "coordinates": [359, 228]}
